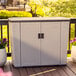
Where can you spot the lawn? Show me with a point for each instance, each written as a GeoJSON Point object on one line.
{"type": "Point", "coordinates": [68, 55]}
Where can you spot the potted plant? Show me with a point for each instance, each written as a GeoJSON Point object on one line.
{"type": "Point", "coordinates": [3, 56]}
{"type": "Point", "coordinates": [73, 50]}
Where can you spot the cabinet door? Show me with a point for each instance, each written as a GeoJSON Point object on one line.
{"type": "Point", "coordinates": [30, 44]}
{"type": "Point", "coordinates": [50, 44]}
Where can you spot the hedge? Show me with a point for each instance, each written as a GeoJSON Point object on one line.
{"type": "Point", "coordinates": [4, 14]}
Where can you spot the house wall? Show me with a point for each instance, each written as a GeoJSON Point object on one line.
{"type": "Point", "coordinates": [16, 1]}
{"type": "Point", "coordinates": [12, 2]}
{"type": "Point", "coordinates": [3, 1]}
{"type": "Point", "coordinates": [9, 2]}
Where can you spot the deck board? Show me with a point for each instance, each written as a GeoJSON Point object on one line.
{"type": "Point", "coordinates": [6, 67]}
{"type": "Point", "coordinates": [46, 69]}
{"type": "Point", "coordinates": [30, 71]}
{"type": "Point", "coordinates": [72, 67]}
{"type": "Point", "coordinates": [61, 71]}
{"type": "Point", "coordinates": [54, 73]}
{"type": "Point", "coordinates": [38, 70]}
{"type": "Point", "coordinates": [23, 71]}
{"type": "Point", "coordinates": [68, 70]}
{"type": "Point", "coordinates": [15, 71]}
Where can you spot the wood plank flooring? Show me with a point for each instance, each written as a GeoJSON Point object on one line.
{"type": "Point", "coordinates": [68, 70]}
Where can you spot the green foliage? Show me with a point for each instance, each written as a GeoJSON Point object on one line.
{"type": "Point", "coordinates": [74, 44]}
{"type": "Point", "coordinates": [60, 8]}
{"type": "Point", "coordinates": [37, 10]}
{"type": "Point", "coordinates": [4, 14]}
{"type": "Point", "coordinates": [73, 41]}
{"type": "Point", "coordinates": [72, 35]}
{"type": "Point", "coordinates": [3, 43]}
{"type": "Point", "coordinates": [72, 31]}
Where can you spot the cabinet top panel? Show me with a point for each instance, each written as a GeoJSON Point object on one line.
{"type": "Point", "coordinates": [38, 19]}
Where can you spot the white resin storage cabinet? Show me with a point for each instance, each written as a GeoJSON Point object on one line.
{"type": "Point", "coordinates": [39, 41]}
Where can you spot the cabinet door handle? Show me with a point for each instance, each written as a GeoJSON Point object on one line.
{"type": "Point", "coordinates": [39, 35]}
{"type": "Point", "coordinates": [42, 35]}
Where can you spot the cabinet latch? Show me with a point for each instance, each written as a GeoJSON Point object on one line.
{"type": "Point", "coordinates": [40, 35]}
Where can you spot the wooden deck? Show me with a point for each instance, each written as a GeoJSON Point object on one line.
{"type": "Point", "coordinates": [69, 70]}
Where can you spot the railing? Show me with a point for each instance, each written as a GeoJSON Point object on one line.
{"type": "Point", "coordinates": [4, 22]}
{"type": "Point", "coordinates": [72, 22]}
{"type": "Point", "coordinates": [4, 33]}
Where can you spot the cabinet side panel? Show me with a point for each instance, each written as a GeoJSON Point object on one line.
{"type": "Point", "coordinates": [15, 42]}
{"type": "Point", "coordinates": [64, 41]}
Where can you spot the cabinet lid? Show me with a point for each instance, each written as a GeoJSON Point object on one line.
{"type": "Point", "coordinates": [37, 19]}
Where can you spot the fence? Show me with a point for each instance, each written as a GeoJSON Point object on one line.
{"type": "Point", "coordinates": [72, 32]}
{"type": "Point", "coordinates": [4, 33]}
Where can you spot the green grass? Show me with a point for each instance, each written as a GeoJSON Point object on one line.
{"type": "Point", "coordinates": [68, 55]}
{"type": "Point", "coordinates": [9, 58]}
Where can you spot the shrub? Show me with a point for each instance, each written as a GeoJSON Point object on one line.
{"type": "Point", "coordinates": [4, 14]}
{"type": "Point", "coordinates": [36, 10]}
{"type": "Point", "coordinates": [3, 43]}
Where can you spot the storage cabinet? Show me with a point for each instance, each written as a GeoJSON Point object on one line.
{"type": "Point", "coordinates": [40, 51]}
{"type": "Point", "coordinates": [39, 41]}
